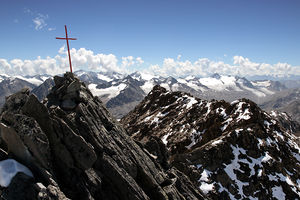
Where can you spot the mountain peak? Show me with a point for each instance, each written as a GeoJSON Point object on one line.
{"type": "Point", "coordinates": [190, 77]}
{"type": "Point", "coordinates": [142, 76]}
{"type": "Point", "coordinates": [68, 92]}
{"type": "Point", "coordinates": [216, 76]}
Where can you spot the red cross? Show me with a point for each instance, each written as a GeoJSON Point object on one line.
{"type": "Point", "coordinates": [66, 38]}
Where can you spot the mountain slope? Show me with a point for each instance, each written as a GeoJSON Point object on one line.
{"type": "Point", "coordinates": [76, 150]}
{"type": "Point", "coordinates": [230, 150]}
{"type": "Point", "coordinates": [285, 101]}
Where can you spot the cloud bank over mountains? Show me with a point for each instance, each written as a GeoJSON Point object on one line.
{"type": "Point", "coordinates": [241, 67]}
{"type": "Point", "coordinates": [89, 60]}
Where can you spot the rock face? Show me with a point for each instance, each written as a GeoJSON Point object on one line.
{"type": "Point", "coordinates": [230, 150]}
{"type": "Point", "coordinates": [76, 150]}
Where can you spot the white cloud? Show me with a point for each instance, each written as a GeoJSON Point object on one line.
{"type": "Point", "coordinates": [204, 67]}
{"type": "Point", "coordinates": [62, 50]}
{"type": "Point", "coordinates": [131, 61]}
{"type": "Point", "coordinates": [128, 61]}
{"type": "Point", "coordinates": [30, 67]}
{"type": "Point", "coordinates": [88, 60]}
{"type": "Point", "coordinates": [247, 67]}
{"type": "Point", "coordinates": [81, 59]}
{"type": "Point", "coordinates": [178, 68]}
{"type": "Point", "coordinates": [51, 29]}
{"type": "Point", "coordinates": [40, 21]}
{"type": "Point", "coordinates": [139, 61]}
{"type": "Point", "coordinates": [28, 11]}
{"type": "Point", "coordinates": [5, 66]}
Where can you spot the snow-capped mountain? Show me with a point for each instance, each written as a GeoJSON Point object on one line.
{"type": "Point", "coordinates": [9, 85]}
{"type": "Point", "coordinates": [229, 150]}
{"type": "Point", "coordinates": [12, 84]}
{"type": "Point", "coordinates": [121, 93]}
{"type": "Point", "coordinates": [35, 80]}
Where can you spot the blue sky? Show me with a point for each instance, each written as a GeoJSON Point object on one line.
{"type": "Point", "coordinates": [258, 31]}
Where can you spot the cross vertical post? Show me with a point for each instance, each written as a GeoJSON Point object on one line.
{"type": "Point", "coordinates": [67, 39]}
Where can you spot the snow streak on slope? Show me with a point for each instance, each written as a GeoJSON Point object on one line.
{"type": "Point", "coordinates": [112, 91]}
{"type": "Point", "coordinates": [224, 83]}
{"type": "Point", "coordinates": [32, 80]}
{"type": "Point", "coordinates": [103, 77]}
{"type": "Point", "coordinates": [3, 76]}
{"type": "Point", "coordinates": [261, 83]}
{"type": "Point", "coordinates": [147, 87]}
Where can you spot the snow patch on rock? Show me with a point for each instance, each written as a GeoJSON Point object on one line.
{"type": "Point", "coordinates": [9, 168]}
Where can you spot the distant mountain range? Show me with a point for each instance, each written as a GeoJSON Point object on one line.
{"type": "Point", "coordinates": [121, 93]}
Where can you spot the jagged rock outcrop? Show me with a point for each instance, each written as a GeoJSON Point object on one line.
{"type": "Point", "coordinates": [76, 150]}
{"type": "Point", "coordinates": [230, 150]}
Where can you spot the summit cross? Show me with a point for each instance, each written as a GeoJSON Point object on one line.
{"type": "Point", "coordinates": [67, 39]}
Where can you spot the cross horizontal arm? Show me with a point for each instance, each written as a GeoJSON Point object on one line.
{"type": "Point", "coordinates": [65, 38]}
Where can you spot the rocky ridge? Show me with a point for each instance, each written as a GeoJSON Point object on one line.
{"type": "Point", "coordinates": [230, 150]}
{"type": "Point", "coordinates": [76, 150]}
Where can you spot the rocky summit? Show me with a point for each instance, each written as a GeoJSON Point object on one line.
{"type": "Point", "coordinates": [76, 150]}
{"type": "Point", "coordinates": [229, 150]}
